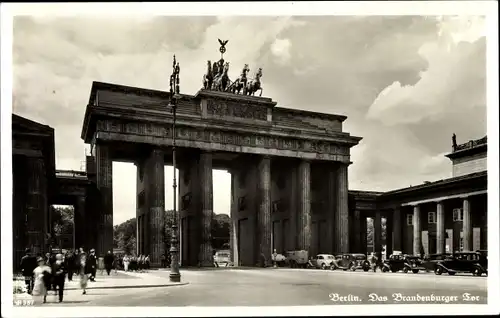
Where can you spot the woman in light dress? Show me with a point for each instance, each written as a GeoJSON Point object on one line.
{"type": "Point", "coordinates": [126, 262]}
{"type": "Point", "coordinates": [83, 276]}
{"type": "Point", "coordinates": [42, 275]}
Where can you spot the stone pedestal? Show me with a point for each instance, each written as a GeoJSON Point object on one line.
{"type": "Point", "coordinates": [467, 225]}
{"type": "Point", "coordinates": [440, 229]}
{"type": "Point", "coordinates": [105, 186]}
{"type": "Point", "coordinates": [341, 223]}
{"type": "Point", "coordinates": [304, 206]}
{"type": "Point", "coordinates": [397, 230]}
{"type": "Point", "coordinates": [206, 250]}
{"type": "Point", "coordinates": [264, 210]}
{"type": "Point", "coordinates": [417, 232]}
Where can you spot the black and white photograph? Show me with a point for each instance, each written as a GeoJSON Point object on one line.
{"type": "Point", "coordinates": [250, 158]}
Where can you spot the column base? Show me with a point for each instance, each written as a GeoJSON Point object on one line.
{"type": "Point", "coordinates": [175, 277]}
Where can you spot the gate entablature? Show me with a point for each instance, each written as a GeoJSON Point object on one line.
{"type": "Point", "coordinates": [233, 123]}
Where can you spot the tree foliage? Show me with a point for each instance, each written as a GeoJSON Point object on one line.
{"type": "Point", "coordinates": [124, 235]}
{"type": "Point", "coordinates": [62, 219]}
{"type": "Point", "coordinates": [370, 230]}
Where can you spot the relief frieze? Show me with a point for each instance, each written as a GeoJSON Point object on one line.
{"type": "Point", "coordinates": [224, 137]}
{"type": "Point", "coordinates": [232, 109]}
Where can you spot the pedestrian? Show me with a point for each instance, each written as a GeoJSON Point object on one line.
{"type": "Point", "coordinates": [108, 262]}
{"type": "Point", "coordinates": [133, 264]}
{"type": "Point", "coordinates": [214, 258]}
{"type": "Point", "coordinates": [82, 266]}
{"type": "Point", "coordinates": [126, 263]}
{"type": "Point", "coordinates": [147, 262]}
{"type": "Point", "coordinates": [91, 267]}
{"type": "Point", "coordinates": [28, 265]}
{"type": "Point", "coordinates": [42, 276]}
{"type": "Point", "coordinates": [163, 261]}
{"type": "Point", "coordinates": [374, 262]}
{"type": "Point", "coordinates": [59, 274]}
{"type": "Point", "coordinates": [70, 264]}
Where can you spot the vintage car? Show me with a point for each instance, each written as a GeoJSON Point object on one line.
{"type": "Point", "coordinates": [222, 257]}
{"type": "Point", "coordinates": [463, 262]}
{"type": "Point", "coordinates": [429, 262]}
{"type": "Point", "coordinates": [351, 261]}
{"type": "Point", "coordinates": [297, 258]}
{"type": "Point", "coordinates": [406, 263]}
{"type": "Point", "coordinates": [322, 261]}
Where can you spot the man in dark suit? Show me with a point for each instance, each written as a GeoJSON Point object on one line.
{"type": "Point", "coordinates": [109, 261]}
{"type": "Point", "coordinates": [28, 265]}
{"type": "Point", "coordinates": [92, 265]}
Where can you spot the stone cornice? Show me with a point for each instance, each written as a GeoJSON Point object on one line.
{"type": "Point", "coordinates": [166, 118]}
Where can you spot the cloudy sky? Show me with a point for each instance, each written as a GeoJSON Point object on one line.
{"type": "Point", "coordinates": [406, 83]}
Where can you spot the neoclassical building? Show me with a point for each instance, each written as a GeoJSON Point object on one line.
{"type": "Point", "coordinates": [287, 202]}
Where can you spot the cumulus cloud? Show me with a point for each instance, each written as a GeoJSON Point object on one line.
{"type": "Point", "coordinates": [405, 82]}
{"type": "Point", "coordinates": [455, 77]}
{"type": "Point", "coordinates": [281, 50]}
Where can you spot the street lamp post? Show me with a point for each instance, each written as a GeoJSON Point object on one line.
{"type": "Point", "coordinates": [175, 275]}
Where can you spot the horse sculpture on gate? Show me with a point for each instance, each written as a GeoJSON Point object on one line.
{"type": "Point", "coordinates": [208, 78]}
{"type": "Point", "coordinates": [241, 82]}
{"type": "Point", "coordinates": [221, 82]}
{"type": "Point", "coordinates": [254, 85]}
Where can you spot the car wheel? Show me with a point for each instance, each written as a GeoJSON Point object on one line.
{"type": "Point", "coordinates": [353, 268]}
{"type": "Point", "coordinates": [477, 272]}
{"type": "Point", "coordinates": [385, 269]}
{"type": "Point", "coordinates": [333, 267]}
{"type": "Point", "coordinates": [366, 269]}
{"type": "Point", "coordinates": [438, 271]}
{"type": "Point", "coordinates": [323, 266]}
{"type": "Point", "coordinates": [451, 273]}
{"type": "Point", "coordinates": [405, 270]}
{"type": "Point", "coordinates": [415, 271]}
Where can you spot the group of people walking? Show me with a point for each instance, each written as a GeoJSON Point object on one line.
{"type": "Point", "coordinates": [43, 274]}
{"type": "Point", "coordinates": [137, 264]}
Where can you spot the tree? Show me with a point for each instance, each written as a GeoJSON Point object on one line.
{"type": "Point", "coordinates": [62, 219]}
{"type": "Point", "coordinates": [370, 230]}
{"type": "Point", "coordinates": [124, 235]}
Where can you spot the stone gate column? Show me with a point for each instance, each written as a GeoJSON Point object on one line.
{"type": "Point", "coordinates": [440, 229]}
{"type": "Point", "coordinates": [233, 227]}
{"type": "Point", "coordinates": [377, 234]}
{"type": "Point", "coordinates": [417, 232]}
{"type": "Point", "coordinates": [105, 186]}
{"type": "Point", "coordinates": [79, 223]}
{"type": "Point", "coordinates": [205, 256]}
{"type": "Point", "coordinates": [264, 212]}
{"type": "Point", "coordinates": [388, 233]}
{"type": "Point", "coordinates": [363, 234]}
{"type": "Point", "coordinates": [356, 228]}
{"type": "Point", "coordinates": [156, 189]}
{"type": "Point", "coordinates": [304, 206]}
{"type": "Point", "coordinates": [37, 212]}
{"type": "Point", "coordinates": [342, 211]}
{"type": "Point", "coordinates": [467, 225]}
{"type": "Point", "coordinates": [397, 229]}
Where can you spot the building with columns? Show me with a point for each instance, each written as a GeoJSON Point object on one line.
{"type": "Point", "coordinates": [289, 181]}
{"type": "Point", "coordinates": [443, 216]}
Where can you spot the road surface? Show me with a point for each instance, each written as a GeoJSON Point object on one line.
{"type": "Point", "coordinates": [298, 287]}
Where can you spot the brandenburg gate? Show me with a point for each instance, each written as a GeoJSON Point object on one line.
{"type": "Point", "coordinates": [289, 167]}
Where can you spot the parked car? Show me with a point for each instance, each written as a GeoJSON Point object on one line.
{"type": "Point", "coordinates": [406, 263]}
{"type": "Point", "coordinates": [463, 262]}
{"type": "Point", "coordinates": [322, 261]}
{"type": "Point", "coordinates": [222, 257]}
{"type": "Point", "coordinates": [429, 262]}
{"type": "Point", "coordinates": [297, 258]}
{"type": "Point", "coordinates": [351, 261]}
